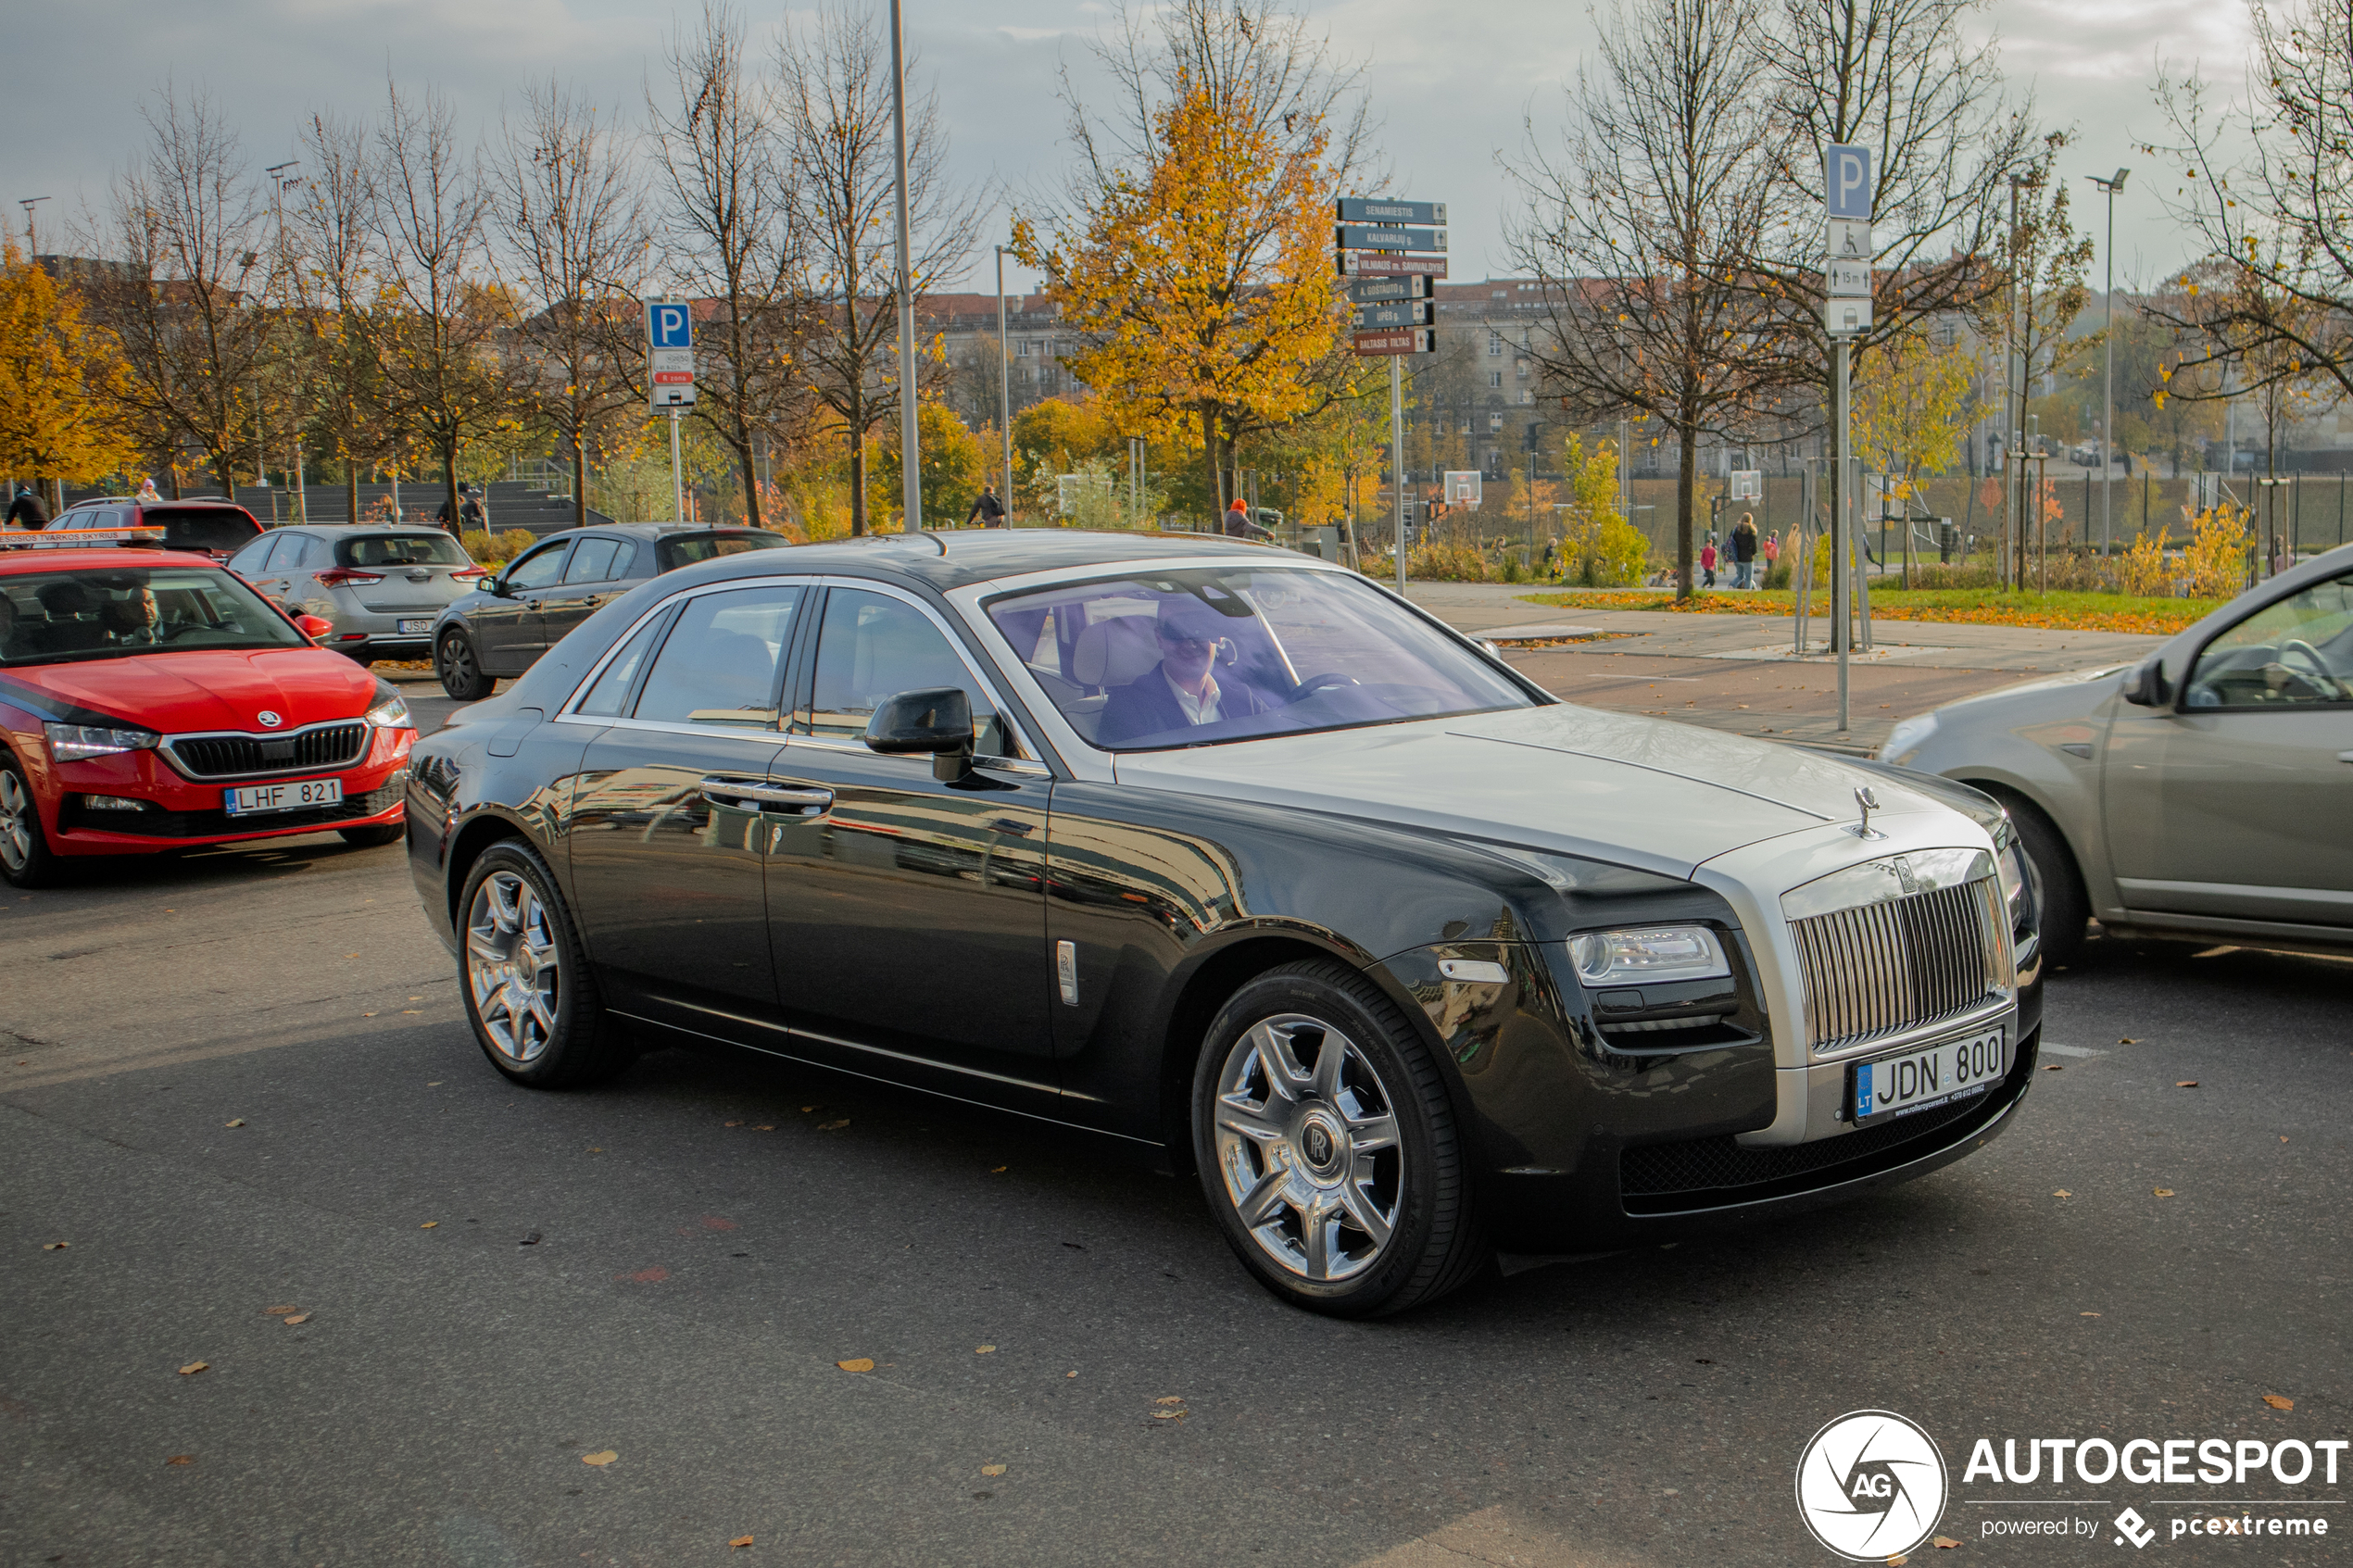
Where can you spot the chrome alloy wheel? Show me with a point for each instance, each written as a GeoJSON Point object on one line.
{"type": "Point", "coordinates": [513, 969]}
{"type": "Point", "coordinates": [18, 821]}
{"type": "Point", "coordinates": [1309, 1149]}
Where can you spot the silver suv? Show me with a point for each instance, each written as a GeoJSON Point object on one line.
{"type": "Point", "coordinates": [381, 586]}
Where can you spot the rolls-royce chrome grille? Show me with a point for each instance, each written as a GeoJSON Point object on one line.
{"type": "Point", "coordinates": [1898, 943]}
{"type": "Point", "coordinates": [234, 756]}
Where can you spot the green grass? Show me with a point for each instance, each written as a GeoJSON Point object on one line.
{"type": "Point", "coordinates": [2070, 611]}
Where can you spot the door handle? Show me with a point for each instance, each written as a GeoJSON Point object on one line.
{"type": "Point", "coordinates": [733, 792]}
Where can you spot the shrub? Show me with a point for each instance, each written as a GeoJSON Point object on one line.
{"type": "Point", "coordinates": [2217, 557]}
{"type": "Point", "coordinates": [489, 549]}
{"type": "Point", "coordinates": [2146, 571]}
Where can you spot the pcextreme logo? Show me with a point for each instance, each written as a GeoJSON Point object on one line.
{"type": "Point", "coordinates": [1872, 1485]}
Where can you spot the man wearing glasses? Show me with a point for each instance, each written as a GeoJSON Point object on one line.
{"type": "Point", "coordinates": [1183, 691]}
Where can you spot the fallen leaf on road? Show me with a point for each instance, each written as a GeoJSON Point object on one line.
{"type": "Point", "coordinates": [740, 1541]}
{"type": "Point", "coordinates": [984, 1349]}
{"type": "Point", "coordinates": [279, 1311]}
{"type": "Point", "coordinates": [2052, 1067]}
{"type": "Point", "coordinates": [1897, 1560]}
{"type": "Point", "coordinates": [600, 1459]}
{"type": "Point", "coordinates": [238, 1123]}
{"type": "Point", "coordinates": [832, 1126]}
{"type": "Point", "coordinates": [367, 1015]}
{"type": "Point", "coordinates": [2062, 1192]}
{"type": "Point", "coordinates": [1070, 1374]}
{"type": "Point", "coordinates": [193, 1368]}
{"type": "Point", "coordinates": [2088, 1314]}
{"type": "Point", "coordinates": [734, 1123]}
{"type": "Point", "coordinates": [992, 1469]}
{"type": "Point", "coordinates": [429, 1225]}
{"type": "Point", "coordinates": [2278, 1401]}
{"type": "Point", "coordinates": [1168, 1415]}
{"type": "Point", "coordinates": [1945, 1543]}
{"type": "Point", "coordinates": [434, 1085]}
{"type": "Point", "coordinates": [298, 1317]}
{"type": "Point", "coordinates": [2163, 1192]}
{"type": "Point", "coordinates": [2186, 1083]}
{"type": "Point", "coordinates": [182, 1458]}
{"type": "Point", "coordinates": [856, 1364]}
{"type": "Point", "coordinates": [764, 1129]}
{"type": "Point", "coordinates": [529, 1240]}
{"type": "Point", "coordinates": [1170, 1399]}
{"type": "Point", "coordinates": [807, 1109]}
{"type": "Point", "coordinates": [1000, 1170]}
{"type": "Point", "coordinates": [2128, 1040]}
{"type": "Point", "coordinates": [61, 1245]}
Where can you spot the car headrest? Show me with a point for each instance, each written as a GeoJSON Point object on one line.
{"type": "Point", "coordinates": [1114, 652]}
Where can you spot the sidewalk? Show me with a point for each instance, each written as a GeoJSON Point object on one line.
{"type": "Point", "coordinates": [1736, 672]}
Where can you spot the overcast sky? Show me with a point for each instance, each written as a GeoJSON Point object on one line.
{"type": "Point", "coordinates": [1451, 85]}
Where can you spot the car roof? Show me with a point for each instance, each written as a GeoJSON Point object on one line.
{"type": "Point", "coordinates": [333, 529]}
{"type": "Point", "coordinates": [653, 530]}
{"type": "Point", "coordinates": [17, 563]}
{"type": "Point", "coordinates": [158, 501]}
{"type": "Point", "coordinates": [959, 557]}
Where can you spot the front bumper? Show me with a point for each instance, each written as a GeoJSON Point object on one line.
{"type": "Point", "coordinates": [177, 813]}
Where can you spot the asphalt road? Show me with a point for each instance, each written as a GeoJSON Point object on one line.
{"type": "Point", "coordinates": [238, 1080]}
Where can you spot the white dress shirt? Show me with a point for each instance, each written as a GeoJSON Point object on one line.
{"type": "Point", "coordinates": [1201, 709]}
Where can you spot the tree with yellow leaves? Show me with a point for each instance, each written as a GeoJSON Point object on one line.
{"type": "Point", "coordinates": [1911, 406]}
{"type": "Point", "coordinates": [1194, 253]}
{"type": "Point", "coordinates": [60, 380]}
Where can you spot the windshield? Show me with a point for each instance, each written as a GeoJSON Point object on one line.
{"type": "Point", "coordinates": [48, 617]}
{"type": "Point", "coordinates": [676, 553]}
{"type": "Point", "coordinates": [435, 548]}
{"type": "Point", "coordinates": [1195, 658]}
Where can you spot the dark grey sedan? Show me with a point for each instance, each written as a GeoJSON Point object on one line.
{"type": "Point", "coordinates": [521, 613]}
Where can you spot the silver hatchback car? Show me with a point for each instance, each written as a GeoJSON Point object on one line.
{"type": "Point", "coordinates": [381, 586]}
{"type": "Point", "coordinates": [2201, 794]}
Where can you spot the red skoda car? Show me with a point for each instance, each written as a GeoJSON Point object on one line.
{"type": "Point", "coordinates": [150, 700]}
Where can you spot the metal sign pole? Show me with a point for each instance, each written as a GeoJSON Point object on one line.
{"type": "Point", "coordinates": [677, 474]}
{"type": "Point", "coordinates": [1397, 462]}
{"type": "Point", "coordinates": [911, 463]}
{"type": "Point", "coordinates": [1839, 637]}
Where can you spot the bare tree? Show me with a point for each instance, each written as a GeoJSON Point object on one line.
{"type": "Point", "coordinates": [190, 233]}
{"type": "Point", "coordinates": [840, 175]}
{"type": "Point", "coordinates": [1631, 225]}
{"type": "Point", "coordinates": [2265, 192]}
{"type": "Point", "coordinates": [438, 320]}
{"type": "Point", "coordinates": [332, 286]}
{"type": "Point", "coordinates": [2047, 265]}
{"type": "Point", "coordinates": [572, 220]}
{"type": "Point", "coordinates": [1914, 82]}
{"type": "Point", "coordinates": [726, 229]}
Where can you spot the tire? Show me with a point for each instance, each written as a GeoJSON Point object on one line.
{"type": "Point", "coordinates": [26, 860]}
{"type": "Point", "coordinates": [373, 835]}
{"type": "Point", "coordinates": [2059, 900]}
{"type": "Point", "coordinates": [459, 667]}
{"type": "Point", "coordinates": [1347, 1143]}
{"type": "Point", "coordinates": [529, 998]}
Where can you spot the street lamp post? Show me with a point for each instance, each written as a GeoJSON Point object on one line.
{"type": "Point", "coordinates": [909, 451]}
{"type": "Point", "coordinates": [2108, 376]}
{"type": "Point", "coordinates": [1004, 391]}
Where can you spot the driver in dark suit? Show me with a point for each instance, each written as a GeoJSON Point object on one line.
{"type": "Point", "coordinates": [1184, 689]}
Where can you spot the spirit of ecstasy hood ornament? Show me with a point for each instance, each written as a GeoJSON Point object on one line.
{"type": "Point", "coordinates": [1869, 803]}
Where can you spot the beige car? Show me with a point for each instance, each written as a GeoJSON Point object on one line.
{"type": "Point", "coordinates": [2206, 793]}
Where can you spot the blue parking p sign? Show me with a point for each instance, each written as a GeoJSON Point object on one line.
{"type": "Point", "coordinates": [669, 325]}
{"type": "Point", "coordinates": [1847, 180]}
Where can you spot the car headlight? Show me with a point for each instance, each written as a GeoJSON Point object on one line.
{"type": "Point", "coordinates": [391, 711]}
{"type": "Point", "coordinates": [74, 743]}
{"type": "Point", "coordinates": [1650, 954]}
{"type": "Point", "coordinates": [1906, 738]}
{"type": "Point", "coordinates": [2009, 865]}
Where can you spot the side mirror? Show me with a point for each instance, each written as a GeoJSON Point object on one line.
{"type": "Point", "coordinates": [496, 586]}
{"type": "Point", "coordinates": [937, 719]}
{"type": "Point", "coordinates": [2145, 687]}
{"type": "Point", "coordinates": [314, 626]}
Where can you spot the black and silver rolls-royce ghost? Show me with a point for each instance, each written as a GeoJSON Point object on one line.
{"type": "Point", "coordinates": [1237, 858]}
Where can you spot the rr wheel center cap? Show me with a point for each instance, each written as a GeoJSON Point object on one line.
{"type": "Point", "coordinates": [1321, 1143]}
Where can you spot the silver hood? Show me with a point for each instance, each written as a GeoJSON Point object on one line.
{"type": "Point", "coordinates": [1646, 793]}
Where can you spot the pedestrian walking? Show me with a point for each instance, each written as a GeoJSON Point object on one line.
{"type": "Point", "coordinates": [470, 513]}
{"type": "Point", "coordinates": [1238, 524]}
{"type": "Point", "coordinates": [990, 510]}
{"type": "Point", "coordinates": [25, 510]}
{"type": "Point", "coordinates": [1707, 562]}
{"type": "Point", "coordinates": [1745, 551]}
{"type": "Point", "coordinates": [147, 493]}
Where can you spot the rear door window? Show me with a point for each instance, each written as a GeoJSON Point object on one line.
{"type": "Point", "coordinates": [592, 561]}
{"type": "Point", "coordinates": [722, 663]}
{"type": "Point", "coordinates": [692, 547]}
